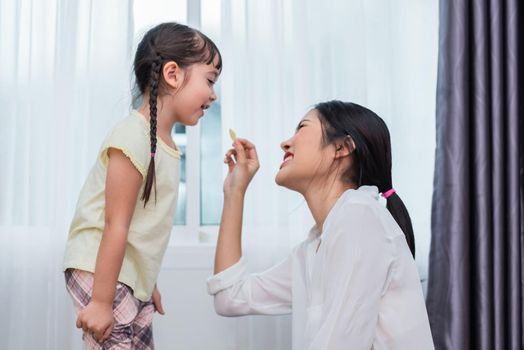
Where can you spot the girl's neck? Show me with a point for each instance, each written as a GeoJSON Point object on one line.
{"type": "Point", "coordinates": [164, 121]}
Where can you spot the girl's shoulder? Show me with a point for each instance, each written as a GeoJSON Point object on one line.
{"type": "Point", "coordinates": [131, 125]}
{"type": "Point", "coordinates": [129, 136]}
{"type": "Point", "coordinates": [130, 132]}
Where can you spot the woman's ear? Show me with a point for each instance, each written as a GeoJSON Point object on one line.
{"type": "Point", "coordinates": [341, 151]}
{"type": "Point", "coordinates": [173, 75]}
{"type": "Point", "coordinates": [344, 148]}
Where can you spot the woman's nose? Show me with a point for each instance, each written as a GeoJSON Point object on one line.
{"type": "Point", "coordinates": [284, 145]}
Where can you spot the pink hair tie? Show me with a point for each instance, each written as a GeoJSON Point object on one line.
{"type": "Point", "coordinates": [152, 155]}
{"type": "Point", "coordinates": [388, 194]}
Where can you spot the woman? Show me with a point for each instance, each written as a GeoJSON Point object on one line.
{"type": "Point", "coordinates": [353, 283]}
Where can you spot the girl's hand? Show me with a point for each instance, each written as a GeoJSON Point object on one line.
{"type": "Point", "coordinates": [157, 301]}
{"type": "Point", "coordinates": [242, 171]}
{"type": "Point", "coordinates": [96, 319]}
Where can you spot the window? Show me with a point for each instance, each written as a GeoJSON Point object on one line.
{"type": "Point", "coordinates": [200, 192]}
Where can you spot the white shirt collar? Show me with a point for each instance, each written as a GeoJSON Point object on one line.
{"type": "Point", "coordinates": [372, 191]}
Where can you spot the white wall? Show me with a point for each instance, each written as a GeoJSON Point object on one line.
{"type": "Point", "coordinates": [190, 321]}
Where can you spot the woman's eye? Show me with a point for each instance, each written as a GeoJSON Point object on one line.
{"type": "Point", "coordinates": [211, 82]}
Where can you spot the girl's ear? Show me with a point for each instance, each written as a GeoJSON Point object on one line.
{"type": "Point", "coordinates": [173, 75]}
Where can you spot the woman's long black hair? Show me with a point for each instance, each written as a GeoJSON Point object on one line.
{"type": "Point", "coordinates": [372, 154]}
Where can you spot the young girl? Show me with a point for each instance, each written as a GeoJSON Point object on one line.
{"type": "Point", "coordinates": [353, 283]}
{"type": "Point", "coordinates": [125, 211]}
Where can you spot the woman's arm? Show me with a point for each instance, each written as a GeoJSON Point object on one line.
{"type": "Point", "coordinates": [123, 183]}
{"type": "Point", "coordinates": [267, 293]}
{"type": "Point", "coordinates": [228, 250]}
{"type": "Point", "coordinates": [237, 293]}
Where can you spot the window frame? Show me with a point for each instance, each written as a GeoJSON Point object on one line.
{"type": "Point", "coordinates": [193, 233]}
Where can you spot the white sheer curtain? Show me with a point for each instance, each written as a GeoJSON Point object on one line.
{"type": "Point", "coordinates": [64, 78]}
{"type": "Point", "coordinates": [283, 56]}
{"type": "Point", "coordinates": [64, 81]}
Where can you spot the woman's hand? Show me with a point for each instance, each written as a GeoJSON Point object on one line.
{"type": "Point", "coordinates": [242, 171]}
{"type": "Point", "coordinates": [96, 319]}
{"type": "Point", "coordinates": [242, 161]}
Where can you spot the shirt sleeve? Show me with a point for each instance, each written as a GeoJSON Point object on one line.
{"type": "Point", "coordinates": [237, 293]}
{"type": "Point", "coordinates": [131, 140]}
{"type": "Point", "coordinates": [359, 262]}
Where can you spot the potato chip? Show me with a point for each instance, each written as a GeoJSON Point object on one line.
{"type": "Point", "coordinates": [232, 135]}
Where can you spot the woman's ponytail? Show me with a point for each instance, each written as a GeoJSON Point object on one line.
{"type": "Point", "coordinates": [371, 163]}
{"type": "Point", "coordinates": [399, 212]}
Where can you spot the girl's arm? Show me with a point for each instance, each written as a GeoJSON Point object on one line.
{"type": "Point", "coordinates": [123, 183]}
{"type": "Point", "coordinates": [240, 173]}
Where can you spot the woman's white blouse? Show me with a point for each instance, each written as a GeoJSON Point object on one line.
{"type": "Point", "coordinates": [352, 286]}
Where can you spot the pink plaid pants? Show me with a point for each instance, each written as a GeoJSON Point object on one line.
{"type": "Point", "coordinates": [132, 329]}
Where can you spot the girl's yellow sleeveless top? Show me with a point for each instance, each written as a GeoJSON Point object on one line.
{"type": "Point", "coordinates": [150, 227]}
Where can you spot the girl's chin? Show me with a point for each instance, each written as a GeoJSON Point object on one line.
{"type": "Point", "coordinates": [192, 120]}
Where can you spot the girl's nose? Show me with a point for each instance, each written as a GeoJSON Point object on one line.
{"type": "Point", "coordinates": [213, 96]}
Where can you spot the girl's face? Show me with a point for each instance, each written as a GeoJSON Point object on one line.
{"type": "Point", "coordinates": [195, 93]}
{"type": "Point", "coordinates": [306, 161]}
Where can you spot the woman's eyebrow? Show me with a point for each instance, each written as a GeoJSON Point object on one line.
{"type": "Point", "coordinates": [303, 120]}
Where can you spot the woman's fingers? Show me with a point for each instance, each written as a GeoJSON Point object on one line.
{"type": "Point", "coordinates": [240, 152]}
{"type": "Point", "coordinates": [243, 151]}
{"type": "Point", "coordinates": [230, 157]}
{"type": "Point", "coordinates": [246, 143]}
{"type": "Point", "coordinates": [250, 149]}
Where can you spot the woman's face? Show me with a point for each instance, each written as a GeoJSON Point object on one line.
{"type": "Point", "coordinates": [306, 161]}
